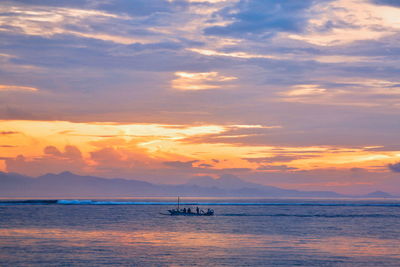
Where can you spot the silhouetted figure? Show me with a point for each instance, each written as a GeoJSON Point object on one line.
{"type": "Point", "coordinates": [197, 210]}
{"type": "Point", "coordinates": [189, 211]}
{"type": "Point", "coordinates": [184, 210]}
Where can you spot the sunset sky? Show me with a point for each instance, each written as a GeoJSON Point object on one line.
{"type": "Point", "coordinates": [297, 94]}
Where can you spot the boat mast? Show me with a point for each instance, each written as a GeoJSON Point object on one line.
{"type": "Point", "coordinates": [178, 203]}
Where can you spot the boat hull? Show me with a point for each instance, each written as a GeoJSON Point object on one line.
{"type": "Point", "coordinates": [181, 213]}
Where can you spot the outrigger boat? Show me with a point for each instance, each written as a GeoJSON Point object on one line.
{"type": "Point", "coordinates": [188, 212]}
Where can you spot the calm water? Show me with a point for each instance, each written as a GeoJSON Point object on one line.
{"type": "Point", "coordinates": [270, 233]}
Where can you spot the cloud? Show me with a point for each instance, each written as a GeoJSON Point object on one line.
{"type": "Point", "coordinates": [345, 21]}
{"type": "Point", "coordinates": [276, 168]}
{"type": "Point", "coordinates": [356, 169]}
{"type": "Point", "coordinates": [394, 167]}
{"type": "Point", "coordinates": [52, 150]}
{"type": "Point", "coordinates": [8, 132]}
{"type": "Point", "coordinates": [234, 134]}
{"type": "Point", "coordinates": [52, 21]}
{"type": "Point", "coordinates": [190, 81]}
{"type": "Point", "coordinates": [181, 164]}
{"type": "Point", "coordinates": [305, 90]}
{"type": "Point", "coordinates": [143, 7]}
{"type": "Point", "coordinates": [235, 170]}
{"type": "Point", "coordinates": [243, 55]}
{"type": "Point", "coordinates": [384, 148]}
{"type": "Point", "coordinates": [4, 87]}
{"type": "Point", "coordinates": [108, 156]}
{"type": "Point", "coordinates": [278, 158]}
{"type": "Point", "coordinates": [394, 3]}
{"type": "Point", "coordinates": [70, 152]}
{"type": "Point", "coordinates": [365, 92]}
{"type": "Point", "coordinates": [205, 165]}
{"type": "Point", "coordinates": [53, 160]}
{"type": "Point", "coordinates": [262, 17]}
{"type": "Point", "coordinates": [326, 71]}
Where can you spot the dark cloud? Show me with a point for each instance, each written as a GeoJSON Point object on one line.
{"type": "Point", "coordinates": [131, 7]}
{"type": "Point", "coordinates": [70, 152]}
{"type": "Point", "coordinates": [52, 150]}
{"type": "Point", "coordinates": [278, 158]}
{"type": "Point", "coordinates": [356, 169]}
{"type": "Point", "coordinates": [395, 167]}
{"type": "Point", "coordinates": [234, 170]}
{"type": "Point", "coordinates": [156, 46]}
{"type": "Point", "coordinates": [205, 165]}
{"type": "Point", "coordinates": [8, 132]}
{"type": "Point", "coordinates": [395, 3]}
{"type": "Point", "coordinates": [17, 112]}
{"type": "Point", "coordinates": [143, 7]}
{"type": "Point", "coordinates": [385, 148]}
{"type": "Point", "coordinates": [7, 146]}
{"type": "Point", "coordinates": [51, 3]}
{"type": "Point", "coordinates": [65, 51]}
{"type": "Point", "coordinates": [264, 17]}
{"type": "Point", "coordinates": [276, 168]}
{"type": "Point", "coordinates": [180, 164]}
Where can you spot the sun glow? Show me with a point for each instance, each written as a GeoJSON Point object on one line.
{"type": "Point", "coordinates": [87, 146]}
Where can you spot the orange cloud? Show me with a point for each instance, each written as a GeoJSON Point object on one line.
{"type": "Point", "coordinates": [106, 148]}
{"type": "Point", "coordinates": [53, 160]}
{"type": "Point", "coordinates": [192, 81]}
{"type": "Point", "coordinates": [5, 87]}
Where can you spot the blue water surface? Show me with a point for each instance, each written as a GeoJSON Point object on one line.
{"type": "Point", "coordinates": [244, 232]}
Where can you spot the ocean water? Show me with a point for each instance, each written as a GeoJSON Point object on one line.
{"type": "Point", "coordinates": [243, 232]}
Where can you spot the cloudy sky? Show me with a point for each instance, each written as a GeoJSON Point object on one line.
{"type": "Point", "coordinates": [297, 94]}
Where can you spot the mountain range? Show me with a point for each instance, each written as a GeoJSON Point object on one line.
{"type": "Point", "coordinates": [67, 184]}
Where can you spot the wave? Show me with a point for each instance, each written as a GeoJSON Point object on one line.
{"type": "Point", "coordinates": [29, 202]}
{"type": "Point", "coordinates": [97, 202]}
{"type": "Point", "coordinates": [101, 202]}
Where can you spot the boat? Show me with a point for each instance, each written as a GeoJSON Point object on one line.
{"type": "Point", "coordinates": [176, 212]}
{"type": "Point", "coordinates": [188, 212]}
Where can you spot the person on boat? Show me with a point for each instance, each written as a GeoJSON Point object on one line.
{"type": "Point", "coordinates": [184, 210]}
{"type": "Point", "coordinates": [197, 210]}
{"type": "Point", "coordinates": [189, 211]}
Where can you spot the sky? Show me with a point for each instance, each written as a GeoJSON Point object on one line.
{"type": "Point", "coordinates": [297, 94]}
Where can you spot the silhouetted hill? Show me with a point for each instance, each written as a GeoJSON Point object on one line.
{"type": "Point", "coordinates": [238, 187]}
{"type": "Point", "coordinates": [378, 194]}
{"type": "Point", "coordinates": [67, 184]}
{"type": "Point", "coordinates": [226, 181]}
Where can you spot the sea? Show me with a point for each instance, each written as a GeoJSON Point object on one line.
{"type": "Point", "coordinates": [243, 232]}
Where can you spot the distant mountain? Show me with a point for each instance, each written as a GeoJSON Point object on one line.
{"type": "Point", "coordinates": [238, 187]}
{"type": "Point", "coordinates": [378, 194]}
{"type": "Point", "coordinates": [67, 184]}
{"type": "Point", "coordinates": [226, 181]}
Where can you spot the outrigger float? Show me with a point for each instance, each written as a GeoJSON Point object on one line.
{"type": "Point", "coordinates": [188, 212]}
